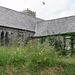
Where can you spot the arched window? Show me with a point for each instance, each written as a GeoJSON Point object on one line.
{"type": "Point", "coordinates": [6, 38]}
{"type": "Point", "coordinates": [6, 35]}
{"type": "Point", "coordinates": [2, 37]}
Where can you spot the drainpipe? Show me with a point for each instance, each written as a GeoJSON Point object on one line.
{"type": "Point", "coordinates": [36, 27]}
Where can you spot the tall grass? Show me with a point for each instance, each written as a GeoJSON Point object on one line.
{"type": "Point", "coordinates": [32, 58]}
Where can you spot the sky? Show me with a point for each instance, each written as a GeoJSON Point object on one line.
{"type": "Point", "coordinates": [51, 10]}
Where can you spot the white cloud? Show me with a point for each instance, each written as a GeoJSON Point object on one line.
{"type": "Point", "coordinates": [51, 9]}
{"type": "Point", "coordinates": [12, 4]}
{"type": "Point", "coordinates": [63, 14]}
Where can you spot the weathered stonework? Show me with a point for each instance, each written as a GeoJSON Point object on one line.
{"type": "Point", "coordinates": [20, 26]}
{"type": "Point", "coordinates": [15, 35]}
{"type": "Point", "coordinates": [60, 38]}
{"type": "Point", "coordinates": [29, 13]}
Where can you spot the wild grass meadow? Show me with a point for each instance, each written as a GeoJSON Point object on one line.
{"type": "Point", "coordinates": [34, 59]}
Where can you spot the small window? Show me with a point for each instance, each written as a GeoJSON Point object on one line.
{"type": "Point", "coordinates": [2, 37]}
{"type": "Point", "coordinates": [6, 38]}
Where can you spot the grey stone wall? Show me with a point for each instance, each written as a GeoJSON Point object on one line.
{"type": "Point", "coordinates": [67, 41]}
{"type": "Point", "coordinates": [14, 35]}
{"type": "Point", "coordinates": [61, 38]}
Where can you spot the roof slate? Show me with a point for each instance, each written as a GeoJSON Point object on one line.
{"type": "Point", "coordinates": [56, 26]}
{"type": "Point", "coordinates": [14, 19]}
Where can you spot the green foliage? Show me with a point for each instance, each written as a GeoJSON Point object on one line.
{"type": "Point", "coordinates": [72, 38]}
{"type": "Point", "coordinates": [57, 44]}
{"type": "Point", "coordinates": [11, 56]}
{"type": "Point", "coordinates": [20, 60]}
{"type": "Point", "coordinates": [42, 39]}
{"type": "Point", "coordinates": [52, 40]}
{"type": "Point", "coordinates": [43, 57]}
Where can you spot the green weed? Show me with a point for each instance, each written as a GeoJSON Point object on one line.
{"type": "Point", "coordinates": [32, 58]}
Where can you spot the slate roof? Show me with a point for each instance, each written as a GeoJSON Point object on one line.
{"type": "Point", "coordinates": [33, 21]}
{"type": "Point", "coordinates": [14, 19]}
{"type": "Point", "coordinates": [18, 20]}
{"type": "Point", "coordinates": [56, 26]}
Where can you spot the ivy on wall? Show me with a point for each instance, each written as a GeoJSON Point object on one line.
{"type": "Point", "coordinates": [72, 38]}
{"type": "Point", "coordinates": [42, 39]}
{"type": "Point", "coordinates": [58, 44]}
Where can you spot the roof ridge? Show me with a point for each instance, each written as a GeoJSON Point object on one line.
{"type": "Point", "coordinates": [19, 12]}
{"type": "Point", "coordinates": [10, 9]}
{"type": "Point", "coordinates": [61, 18]}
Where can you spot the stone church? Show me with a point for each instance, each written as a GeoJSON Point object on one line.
{"type": "Point", "coordinates": [16, 25]}
{"type": "Point", "coordinates": [22, 26]}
